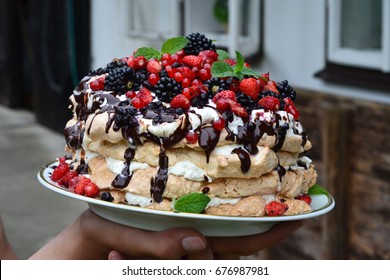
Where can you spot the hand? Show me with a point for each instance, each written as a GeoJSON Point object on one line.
{"type": "Point", "coordinates": [92, 237]}
{"type": "Point", "coordinates": [234, 247]}
{"type": "Point", "coordinates": [6, 251]}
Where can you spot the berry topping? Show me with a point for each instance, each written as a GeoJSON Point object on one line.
{"type": "Point", "coordinates": [271, 85]}
{"type": "Point", "coordinates": [285, 90]}
{"type": "Point", "coordinates": [226, 94]}
{"type": "Point", "coordinates": [198, 42]}
{"type": "Point", "coordinates": [60, 171]}
{"type": "Point", "coordinates": [106, 196]}
{"type": "Point", "coordinates": [219, 124]}
{"type": "Point", "coordinates": [180, 101]}
{"type": "Point", "coordinates": [208, 56]}
{"type": "Point", "coordinates": [275, 208]}
{"type": "Point", "coordinates": [192, 137]}
{"type": "Point", "coordinates": [251, 87]}
{"type": "Point", "coordinates": [153, 67]}
{"type": "Point", "coordinates": [270, 103]}
{"type": "Point", "coordinates": [139, 62]}
{"type": "Point", "coordinates": [64, 181]}
{"type": "Point", "coordinates": [305, 197]}
{"type": "Point", "coordinates": [97, 84]}
{"type": "Point", "coordinates": [192, 61]}
{"type": "Point", "coordinates": [86, 187]}
{"type": "Point", "coordinates": [167, 88]}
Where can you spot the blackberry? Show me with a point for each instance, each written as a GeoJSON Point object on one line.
{"type": "Point", "coordinates": [198, 42]}
{"type": "Point", "coordinates": [119, 78]}
{"type": "Point", "coordinates": [124, 115]}
{"type": "Point", "coordinates": [267, 92]}
{"type": "Point", "coordinates": [200, 101]}
{"type": "Point", "coordinates": [167, 88]}
{"type": "Point", "coordinates": [285, 90]}
{"type": "Point", "coordinates": [97, 72]}
{"type": "Point", "coordinates": [216, 85]}
{"type": "Point", "coordinates": [246, 101]}
{"type": "Point", "coordinates": [106, 196]}
{"type": "Point", "coordinates": [140, 79]}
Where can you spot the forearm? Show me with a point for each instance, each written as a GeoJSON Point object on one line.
{"type": "Point", "coordinates": [71, 244]}
{"type": "Point", "coordinates": [6, 251]}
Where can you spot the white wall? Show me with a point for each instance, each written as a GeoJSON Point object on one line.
{"type": "Point", "coordinates": [294, 42]}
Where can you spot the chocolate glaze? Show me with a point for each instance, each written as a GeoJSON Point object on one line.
{"type": "Point", "coordinates": [158, 183]}
{"type": "Point", "coordinates": [208, 139]}
{"type": "Point", "coordinates": [122, 180]}
{"type": "Point", "coordinates": [281, 172]}
{"type": "Point", "coordinates": [302, 164]}
{"type": "Point", "coordinates": [244, 157]}
{"type": "Point", "coordinates": [74, 136]}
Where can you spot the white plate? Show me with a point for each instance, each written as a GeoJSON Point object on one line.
{"type": "Point", "coordinates": [209, 225]}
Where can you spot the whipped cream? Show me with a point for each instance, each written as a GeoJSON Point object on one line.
{"type": "Point", "coordinates": [116, 166]}
{"type": "Point", "coordinates": [188, 170]}
{"type": "Point", "coordinates": [139, 200]}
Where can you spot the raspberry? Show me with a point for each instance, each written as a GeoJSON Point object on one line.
{"type": "Point", "coordinates": [60, 171]}
{"type": "Point", "coordinates": [305, 197]}
{"type": "Point", "coordinates": [64, 181]}
{"type": "Point", "coordinates": [86, 187]}
{"type": "Point", "coordinates": [250, 87]}
{"type": "Point", "coordinates": [270, 103]}
{"type": "Point", "coordinates": [275, 208]}
{"type": "Point", "coordinates": [180, 101]}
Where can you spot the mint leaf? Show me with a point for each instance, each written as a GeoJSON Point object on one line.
{"type": "Point", "coordinates": [222, 55]}
{"type": "Point", "coordinates": [240, 62]}
{"type": "Point", "coordinates": [174, 44]}
{"type": "Point", "coordinates": [192, 203]}
{"type": "Point", "coordinates": [249, 72]}
{"type": "Point", "coordinates": [222, 69]}
{"type": "Point", "coordinates": [316, 189]}
{"type": "Point", "coordinates": [148, 53]}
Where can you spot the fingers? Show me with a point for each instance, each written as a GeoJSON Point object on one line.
{"type": "Point", "coordinates": [247, 245]}
{"type": "Point", "coordinates": [136, 243]}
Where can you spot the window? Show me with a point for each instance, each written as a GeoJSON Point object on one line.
{"type": "Point", "coordinates": [358, 43]}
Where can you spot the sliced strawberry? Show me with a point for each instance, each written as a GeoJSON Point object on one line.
{"type": "Point", "coordinates": [208, 56]}
{"type": "Point", "coordinates": [275, 208]}
{"type": "Point", "coordinates": [64, 181]}
{"type": "Point", "coordinates": [180, 101]}
{"type": "Point", "coordinates": [305, 197]}
{"type": "Point", "coordinates": [85, 186]}
{"type": "Point", "coordinates": [270, 103]}
{"type": "Point", "coordinates": [250, 87]}
{"type": "Point", "coordinates": [226, 94]}
{"type": "Point", "coordinates": [271, 85]}
{"type": "Point", "coordinates": [192, 61]}
{"type": "Point", "coordinates": [238, 110]}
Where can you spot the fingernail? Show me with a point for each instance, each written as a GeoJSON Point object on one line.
{"type": "Point", "coordinates": [193, 243]}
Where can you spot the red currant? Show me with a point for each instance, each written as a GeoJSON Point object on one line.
{"type": "Point", "coordinates": [219, 124]}
{"type": "Point", "coordinates": [186, 82]}
{"type": "Point", "coordinates": [153, 79]}
{"type": "Point", "coordinates": [204, 74]}
{"type": "Point", "coordinates": [192, 137]}
{"type": "Point", "coordinates": [178, 77]}
{"type": "Point", "coordinates": [131, 94]}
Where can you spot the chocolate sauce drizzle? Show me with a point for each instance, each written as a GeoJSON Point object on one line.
{"type": "Point", "coordinates": [208, 139]}
{"type": "Point", "coordinates": [122, 180]}
{"type": "Point", "coordinates": [158, 183]}
{"type": "Point", "coordinates": [244, 157]}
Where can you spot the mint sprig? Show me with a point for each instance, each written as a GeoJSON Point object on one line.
{"type": "Point", "coordinates": [316, 189]}
{"type": "Point", "coordinates": [192, 203]}
{"type": "Point", "coordinates": [170, 46]}
{"type": "Point", "coordinates": [222, 69]}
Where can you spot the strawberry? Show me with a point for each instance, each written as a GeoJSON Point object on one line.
{"type": "Point", "coordinates": [64, 181]}
{"type": "Point", "coordinates": [180, 101]}
{"type": "Point", "coordinates": [271, 85]}
{"type": "Point", "coordinates": [91, 190]}
{"type": "Point", "coordinates": [292, 110]}
{"type": "Point", "coordinates": [227, 94]}
{"type": "Point", "coordinates": [270, 103]}
{"type": "Point", "coordinates": [191, 92]}
{"type": "Point", "coordinates": [305, 197]}
{"type": "Point", "coordinates": [275, 208]}
{"type": "Point", "coordinates": [208, 56]}
{"type": "Point", "coordinates": [192, 61]}
{"type": "Point", "coordinates": [153, 67]}
{"type": "Point", "coordinates": [60, 171]}
{"type": "Point", "coordinates": [238, 110]}
{"type": "Point", "coordinates": [250, 87]}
